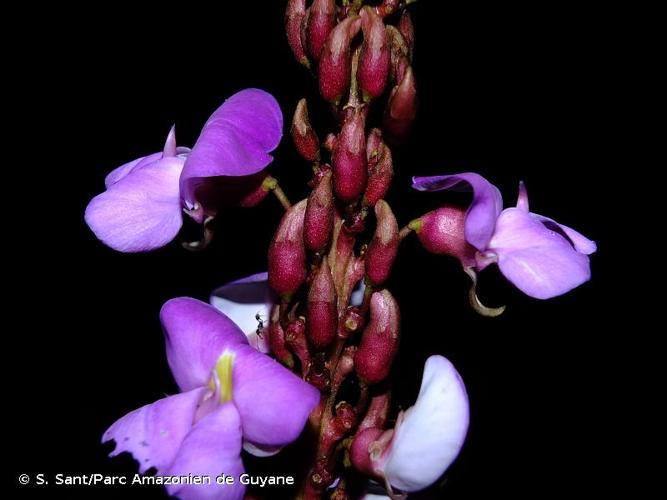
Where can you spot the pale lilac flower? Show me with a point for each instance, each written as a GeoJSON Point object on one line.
{"type": "Point", "coordinates": [538, 255]}
{"type": "Point", "coordinates": [142, 208]}
{"type": "Point", "coordinates": [232, 396]}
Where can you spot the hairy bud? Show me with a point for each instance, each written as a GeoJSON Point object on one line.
{"type": "Point", "coordinates": [384, 245]}
{"type": "Point", "coordinates": [375, 55]}
{"type": "Point", "coordinates": [294, 18]}
{"type": "Point", "coordinates": [401, 108]}
{"type": "Point", "coordinates": [319, 218]}
{"type": "Point", "coordinates": [380, 168]}
{"type": "Point", "coordinates": [304, 137]}
{"type": "Point", "coordinates": [349, 157]}
{"type": "Point", "coordinates": [287, 254]}
{"type": "Point", "coordinates": [319, 23]}
{"type": "Point", "coordinates": [321, 309]}
{"type": "Point", "coordinates": [336, 62]}
{"type": "Point", "coordinates": [379, 341]}
{"type": "Point", "coordinates": [442, 232]}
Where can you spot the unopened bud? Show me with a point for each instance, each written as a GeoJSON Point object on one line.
{"type": "Point", "coordinates": [442, 232]}
{"type": "Point", "coordinates": [400, 53]}
{"type": "Point", "coordinates": [336, 62]}
{"type": "Point", "coordinates": [377, 412]}
{"type": "Point", "coordinates": [360, 450]}
{"type": "Point", "coordinates": [349, 157]}
{"type": "Point", "coordinates": [384, 245]}
{"type": "Point", "coordinates": [401, 108]}
{"type": "Point", "coordinates": [319, 23]}
{"type": "Point", "coordinates": [319, 218]}
{"type": "Point", "coordinates": [380, 168]}
{"type": "Point", "coordinates": [321, 310]}
{"type": "Point", "coordinates": [375, 56]}
{"type": "Point", "coordinates": [294, 17]}
{"type": "Point", "coordinates": [379, 341]}
{"type": "Point", "coordinates": [277, 339]}
{"type": "Point", "coordinates": [287, 254]}
{"type": "Point", "coordinates": [304, 137]}
{"type": "Point", "coordinates": [387, 7]}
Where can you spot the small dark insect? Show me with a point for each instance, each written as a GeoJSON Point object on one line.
{"type": "Point", "coordinates": [260, 324]}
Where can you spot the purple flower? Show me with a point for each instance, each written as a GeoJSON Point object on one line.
{"type": "Point", "coordinates": [142, 207]}
{"type": "Point", "coordinates": [539, 256]}
{"type": "Point", "coordinates": [232, 397]}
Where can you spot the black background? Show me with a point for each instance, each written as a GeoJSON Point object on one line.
{"type": "Point", "coordinates": [512, 95]}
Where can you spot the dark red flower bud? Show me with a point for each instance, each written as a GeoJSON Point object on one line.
{"type": "Point", "coordinates": [360, 450]}
{"type": "Point", "coordinates": [294, 17]}
{"type": "Point", "coordinates": [277, 339]}
{"type": "Point", "coordinates": [401, 108]}
{"type": "Point", "coordinates": [442, 232]}
{"type": "Point", "coordinates": [349, 157]}
{"type": "Point", "coordinates": [305, 138]}
{"type": "Point", "coordinates": [336, 62]}
{"type": "Point", "coordinates": [383, 247]}
{"type": "Point", "coordinates": [377, 412]}
{"type": "Point", "coordinates": [319, 23]}
{"type": "Point", "coordinates": [379, 341]}
{"type": "Point", "coordinates": [380, 168]}
{"type": "Point", "coordinates": [322, 318]}
{"type": "Point", "coordinates": [400, 53]}
{"type": "Point", "coordinates": [407, 29]}
{"type": "Point", "coordinates": [375, 55]}
{"type": "Point", "coordinates": [287, 254]}
{"type": "Point", "coordinates": [319, 219]}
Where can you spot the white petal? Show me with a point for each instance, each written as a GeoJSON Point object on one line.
{"type": "Point", "coordinates": [432, 432]}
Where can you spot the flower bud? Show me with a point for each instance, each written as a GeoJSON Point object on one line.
{"type": "Point", "coordinates": [407, 29]}
{"type": "Point", "coordinates": [378, 409]}
{"type": "Point", "coordinates": [294, 17]}
{"type": "Point", "coordinates": [319, 218]}
{"type": "Point", "coordinates": [379, 341]}
{"type": "Point", "coordinates": [304, 137]}
{"type": "Point", "coordinates": [400, 53]}
{"type": "Point", "coordinates": [336, 62]}
{"type": "Point", "coordinates": [380, 168]}
{"type": "Point", "coordinates": [360, 450]}
{"type": "Point", "coordinates": [321, 310]}
{"type": "Point", "coordinates": [383, 247]}
{"type": "Point", "coordinates": [375, 56]}
{"type": "Point", "coordinates": [320, 21]}
{"type": "Point", "coordinates": [442, 232]}
{"type": "Point", "coordinates": [349, 157]}
{"type": "Point", "coordinates": [277, 339]}
{"type": "Point", "coordinates": [401, 108]}
{"type": "Point", "coordinates": [287, 254]}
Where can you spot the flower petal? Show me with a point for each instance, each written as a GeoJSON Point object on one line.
{"type": "Point", "coordinates": [432, 432]}
{"type": "Point", "coordinates": [578, 240]}
{"type": "Point", "coordinates": [235, 141]}
{"type": "Point", "coordinates": [142, 210]}
{"type": "Point", "coordinates": [212, 447]}
{"type": "Point", "coordinates": [244, 299]}
{"type": "Point", "coordinates": [487, 202]}
{"type": "Point", "coordinates": [196, 335]}
{"type": "Point", "coordinates": [539, 261]}
{"type": "Point", "coordinates": [153, 433]}
{"type": "Point", "coordinates": [273, 402]}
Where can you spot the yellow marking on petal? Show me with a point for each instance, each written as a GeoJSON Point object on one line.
{"type": "Point", "coordinates": [223, 369]}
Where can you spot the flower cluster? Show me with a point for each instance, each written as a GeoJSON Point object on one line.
{"type": "Point", "coordinates": [311, 343]}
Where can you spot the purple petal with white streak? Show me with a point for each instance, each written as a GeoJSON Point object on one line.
{"type": "Point", "coordinates": [487, 203]}
{"type": "Point", "coordinates": [196, 334]}
{"type": "Point", "coordinates": [539, 261]}
{"type": "Point", "coordinates": [153, 433]}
